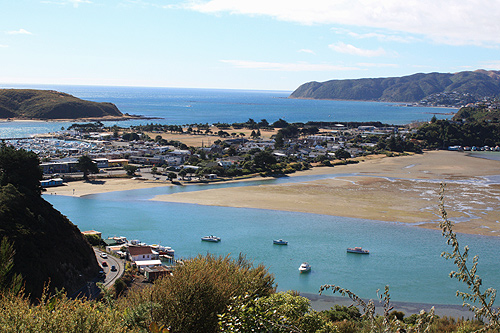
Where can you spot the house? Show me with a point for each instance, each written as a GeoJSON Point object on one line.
{"type": "Point", "coordinates": [102, 162]}
{"type": "Point", "coordinates": [92, 232]}
{"type": "Point", "coordinates": [117, 162]}
{"type": "Point", "coordinates": [51, 182]}
{"type": "Point", "coordinates": [153, 273]}
{"type": "Point", "coordinates": [138, 253]}
{"type": "Point", "coordinates": [143, 256]}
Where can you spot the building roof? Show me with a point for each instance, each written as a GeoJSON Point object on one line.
{"type": "Point", "coordinates": [157, 269]}
{"type": "Point", "coordinates": [148, 263]}
{"type": "Point", "coordinates": [139, 250]}
{"type": "Point", "coordinates": [91, 232]}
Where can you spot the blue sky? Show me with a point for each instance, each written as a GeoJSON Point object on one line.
{"type": "Point", "coordinates": [242, 44]}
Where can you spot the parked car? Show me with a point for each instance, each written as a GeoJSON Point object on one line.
{"type": "Point", "coordinates": [101, 273]}
{"type": "Point", "coordinates": [113, 268]}
{"type": "Point", "coordinates": [104, 264]}
{"type": "Point", "coordinates": [104, 255]}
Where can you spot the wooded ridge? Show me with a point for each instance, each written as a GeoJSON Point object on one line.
{"type": "Point", "coordinates": [407, 89]}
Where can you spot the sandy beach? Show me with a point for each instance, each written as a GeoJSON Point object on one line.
{"type": "Point", "coordinates": [397, 189]}
{"type": "Point", "coordinates": [400, 189]}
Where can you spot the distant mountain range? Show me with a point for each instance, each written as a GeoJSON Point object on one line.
{"type": "Point", "coordinates": [50, 104]}
{"type": "Point", "coordinates": [407, 89]}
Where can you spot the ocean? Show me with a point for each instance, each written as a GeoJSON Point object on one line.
{"type": "Point", "coordinates": [178, 106]}
{"type": "Point", "coordinates": [404, 257]}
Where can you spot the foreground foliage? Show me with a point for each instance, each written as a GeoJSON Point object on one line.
{"type": "Point", "coordinates": [221, 294]}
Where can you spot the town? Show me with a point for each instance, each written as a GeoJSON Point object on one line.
{"type": "Point", "coordinates": [202, 152]}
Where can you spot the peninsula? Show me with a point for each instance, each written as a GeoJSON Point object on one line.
{"type": "Point", "coordinates": [32, 104]}
{"type": "Point", "coordinates": [444, 88]}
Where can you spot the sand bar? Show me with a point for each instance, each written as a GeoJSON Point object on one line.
{"type": "Point", "coordinates": [402, 189]}
{"type": "Point", "coordinates": [397, 189]}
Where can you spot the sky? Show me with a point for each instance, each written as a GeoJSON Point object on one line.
{"type": "Point", "coordinates": [242, 44]}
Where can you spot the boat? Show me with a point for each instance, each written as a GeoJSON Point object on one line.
{"type": "Point", "coordinates": [280, 242]}
{"type": "Point", "coordinates": [211, 238]}
{"type": "Point", "coordinates": [304, 267]}
{"type": "Point", "coordinates": [357, 249]}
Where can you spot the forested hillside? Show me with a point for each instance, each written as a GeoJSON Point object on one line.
{"type": "Point", "coordinates": [408, 89]}
{"type": "Point", "coordinates": [48, 247]}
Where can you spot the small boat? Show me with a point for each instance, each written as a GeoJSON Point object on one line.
{"type": "Point", "coordinates": [304, 267]}
{"type": "Point", "coordinates": [280, 242]}
{"type": "Point", "coordinates": [357, 249]}
{"type": "Point", "coordinates": [211, 238]}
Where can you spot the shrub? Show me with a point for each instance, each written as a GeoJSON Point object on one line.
{"type": "Point", "coordinates": [199, 290]}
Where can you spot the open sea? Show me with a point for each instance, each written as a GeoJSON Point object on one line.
{"type": "Point", "coordinates": [178, 106]}
{"type": "Point", "coordinates": [404, 257]}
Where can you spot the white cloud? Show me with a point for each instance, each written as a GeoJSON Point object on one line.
{"type": "Point", "coordinates": [383, 37]}
{"type": "Point", "coordinates": [493, 64]}
{"type": "Point", "coordinates": [19, 32]}
{"type": "Point", "coordinates": [307, 51]}
{"type": "Point", "coordinates": [286, 67]}
{"type": "Point", "coordinates": [3, 45]}
{"type": "Point", "coordinates": [75, 3]}
{"type": "Point", "coordinates": [473, 22]}
{"type": "Point", "coordinates": [369, 64]}
{"type": "Point", "coordinates": [351, 49]}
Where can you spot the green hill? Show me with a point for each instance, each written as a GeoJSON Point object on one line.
{"type": "Point", "coordinates": [48, 247]}
{"type": "Point", "coordinates": [50, 104]}
{"type": "Point", "coordinates": [408, 89]}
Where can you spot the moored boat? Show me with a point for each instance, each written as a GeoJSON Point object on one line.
{"type": "Point", "coordinates": [280, 242]}
{"type": "Point", "coordinates": [211, 238]}
{"type": "Point", "coordinates": [357, 249]}
{"type": "Point", "coordinates": [304, 267]}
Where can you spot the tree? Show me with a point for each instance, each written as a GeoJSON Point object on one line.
{"type": "Point", "coordinates": [280, 123]}
{"type": "Point", "coordinates": [264, 160]}
{"type": "Point", "coordinates": [86, 165]}
{"type": "Point", "coordinates": [171, 176]}
{"type": "Point", "coordinates": [9, 282]}
{"type": "Point", "coordinates": [20, 168]}
{"type": "Point", "coordinates": [131, 137]}
{"type": "Point", "coordinates": [263, 123]}
{"type": "Point", "coordinates": [130, 169]}
{"type": "Point", "coordinates": [342, 154]}
{"type": "Point", "coordinates": [182, 173]}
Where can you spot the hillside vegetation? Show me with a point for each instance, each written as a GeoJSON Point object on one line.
{"type": "Point", "coordinates": [48, 247]}
{"type": "Point", "coordinates": [50, 104]}
{"type": "Point", "coordinates": [408, 89]}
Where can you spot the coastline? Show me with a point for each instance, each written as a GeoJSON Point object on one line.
{"type": "Point", "coordinates": [105, 118]}
{"type": "Point", "coordinates": [325, 302]}
{"type": "Point", "coordinates": [397, 189]}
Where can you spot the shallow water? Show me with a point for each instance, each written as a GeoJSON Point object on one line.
{"type": "Point", "coordinates": [404, 257]}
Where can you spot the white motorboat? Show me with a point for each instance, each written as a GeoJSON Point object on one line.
{"type": "Point", "coordinates": [304, 267]}
{"type": "Point", "coordinates": [211, 238]}
{"type": "Point", "coordinates": [357, 249]}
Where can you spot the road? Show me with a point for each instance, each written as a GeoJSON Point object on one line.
{"type": "Point", "coordinates": [111, 277]}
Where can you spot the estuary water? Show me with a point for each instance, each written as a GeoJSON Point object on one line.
{"type": "Point", "coordinates": [404, 257]}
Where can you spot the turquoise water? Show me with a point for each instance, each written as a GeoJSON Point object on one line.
{"type": "Point", "coordinates": [404, 257]}
{"type": "Point", "coordinates": [188, 106]}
